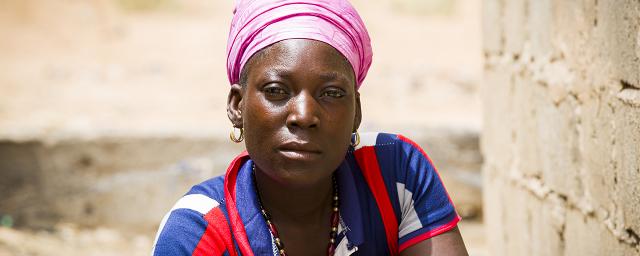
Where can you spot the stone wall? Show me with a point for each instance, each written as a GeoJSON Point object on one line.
{"type": "Point", "coordinates": [561, 135]}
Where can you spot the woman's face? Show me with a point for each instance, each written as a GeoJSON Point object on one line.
{"type": "Point", "coordinates": [298, 109]}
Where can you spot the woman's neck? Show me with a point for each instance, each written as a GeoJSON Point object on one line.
{"type": "Point", "coordinates": [310, 204]}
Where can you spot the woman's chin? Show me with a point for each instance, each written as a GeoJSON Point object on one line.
{"type": "Point", "coordinates": [302, 177]}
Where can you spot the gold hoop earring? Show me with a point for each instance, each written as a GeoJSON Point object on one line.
{"type": "Point", "coordinates": [356, 140]}
{"type": "Point", "coordinates": [233, 137]}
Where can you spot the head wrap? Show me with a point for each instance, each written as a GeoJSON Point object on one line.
{"type": "Point", "coordinates": [257, 24]}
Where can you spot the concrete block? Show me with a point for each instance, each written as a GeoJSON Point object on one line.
{"type": "Point", "coordinates": [547, 223]}
{"type": "Point", "coordinates": [492, 26]}
{"type": "Point", "coordinates": [573, 31]}
{"type": "Point", "coordinates": [517, 218]}
{"type": "Point", "coordinates": [597, 144]}
{"type": "Point", "coordinates": [525, 137]}
{"type": "Point", "coordinates": [531, 225]}
{"type": "Point", "coordinates": [557, 144]}
{"type": "Point", "coordinates": [514, 22]}
{"type": "Point", "coordinates": [494, 209]}
{"type": "Point", "coordinates": [627, 177]}
{"type": "Point", "coordinates": [587, 236]}
{"type": "Point", "coordinates": [540, 26]}
{"type": "Point", "coordinates": [585, 49]}
{"type": "Point", "coordinates": [497, 127]}
{"type": "Point", "coordinates": [620, 28]}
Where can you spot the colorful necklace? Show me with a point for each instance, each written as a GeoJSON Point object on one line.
{"type": "Point", "coordinates": [331, 248]}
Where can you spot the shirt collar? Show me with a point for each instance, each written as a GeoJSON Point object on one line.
{"type": "Point", "coordinates": [249, 211]}
{"type": "Point", "coordinates": [256, 227]}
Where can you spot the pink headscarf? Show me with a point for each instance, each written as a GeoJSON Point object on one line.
{"type": "Point", "coordinates": [257, 24]}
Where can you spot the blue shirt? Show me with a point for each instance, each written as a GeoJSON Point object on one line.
{"type": "Point", "coordinates": [389, 165]}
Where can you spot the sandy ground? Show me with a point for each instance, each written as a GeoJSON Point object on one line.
{"type": "Point", "coordinates": [86, 69]}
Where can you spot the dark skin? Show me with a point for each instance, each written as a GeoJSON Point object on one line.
{"type": "Point", "coordinates": [298, 106]}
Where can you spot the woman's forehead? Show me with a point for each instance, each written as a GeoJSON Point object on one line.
{"type": "Point", "coordinates": [291, 56]}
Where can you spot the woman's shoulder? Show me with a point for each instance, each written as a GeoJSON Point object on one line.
{"type": "Point", "coordinates": [212, 188]}
{"type": "Point", "coordinates": [200, 199]}
{"type": "Point", "coordinates": [391, 141]}
{"type": "Point", "coordinates": [396, 155]}
{"type": "Point", "coordinates": [185, 223]}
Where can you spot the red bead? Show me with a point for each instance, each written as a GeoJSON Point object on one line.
{"type": "Point", "coordinates": [273, 229]}
{"type": "Point", "coordinates": [335, 218]}
{"type": "Point", "coordinates": [331, 250]}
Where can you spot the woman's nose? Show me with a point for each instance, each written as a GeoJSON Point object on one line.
{"type": "Point", "coordinates": [303, 112]}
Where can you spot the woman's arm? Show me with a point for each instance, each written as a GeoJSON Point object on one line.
{"type": "Point", "coordinates": [446, 244]}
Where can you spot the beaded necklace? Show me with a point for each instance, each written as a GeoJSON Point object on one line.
{"type": "Point", "coordinates": [331, 248]}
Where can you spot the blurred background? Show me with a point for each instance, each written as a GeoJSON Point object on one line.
{"type": "Point", "coordinates": [110, 110]}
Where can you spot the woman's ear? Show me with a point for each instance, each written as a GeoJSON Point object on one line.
{"type": "Point", "coordinates": [358, 117]}
{"type": "Point", "coordinates": [234, 105]}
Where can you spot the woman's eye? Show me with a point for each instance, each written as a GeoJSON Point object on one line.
{"type": "Point", "coordinates": [275, 91]}
{"type": "Point", "coordinates": [333, 93]}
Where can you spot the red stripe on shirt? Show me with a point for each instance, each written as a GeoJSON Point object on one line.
{"type": "Point", "coordinates": [368, 161]}
{"type": "Point", "coordinates": [237, 226]}
{"type": "Point", "coordinates": [431, 233]}
{"type": "Point", "coordinates": [217, 237]}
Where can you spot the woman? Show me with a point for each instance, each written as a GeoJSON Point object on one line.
{"type": "Point", "coordinates": [308, 183]}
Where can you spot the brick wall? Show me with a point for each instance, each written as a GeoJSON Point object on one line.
{"type": "Point", "coordinates": [561, 134]}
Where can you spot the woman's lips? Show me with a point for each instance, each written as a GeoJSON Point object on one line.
{"type": "Point", "coordinates": [299, 150]}
{"type": "Point", "coordinates": [299, 155]}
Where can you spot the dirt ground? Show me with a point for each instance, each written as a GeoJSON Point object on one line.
{"type": "Point", "coordinates": [85, 69]}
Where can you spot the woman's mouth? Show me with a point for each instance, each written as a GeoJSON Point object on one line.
{"type": "Point", "coordinates": [296, 150]}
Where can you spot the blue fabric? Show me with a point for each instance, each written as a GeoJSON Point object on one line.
{"type": "Point", "coordinates": [181, 233]}
{"type": "Point", "coordinates": [420, 177]}
{"type": "Point", "coordinates": [368, 233]}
